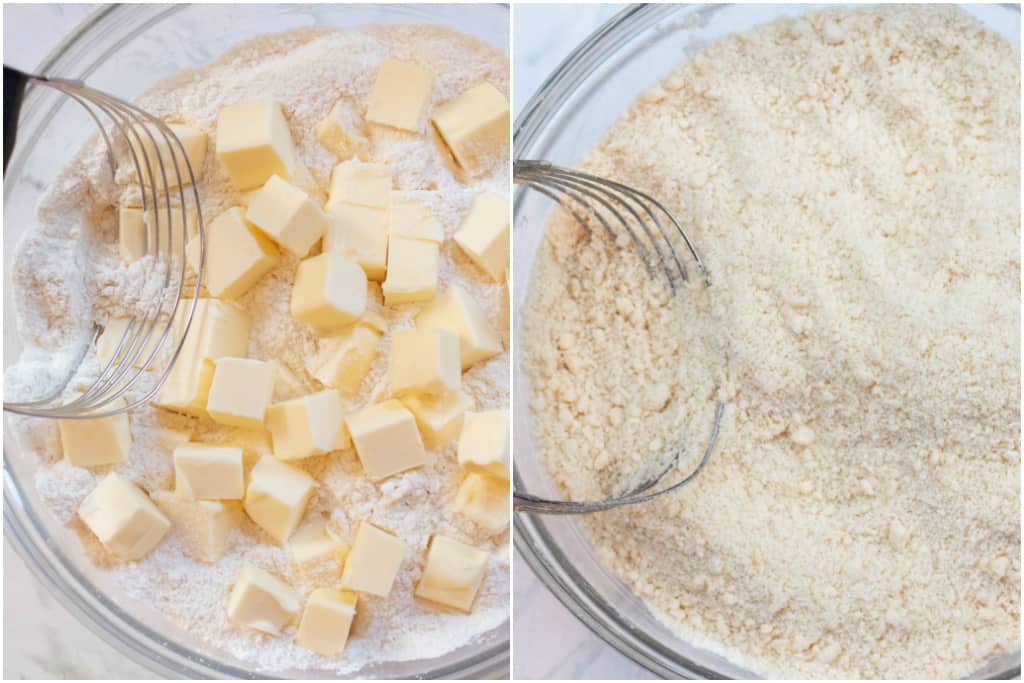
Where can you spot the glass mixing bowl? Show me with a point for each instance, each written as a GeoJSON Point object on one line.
{"type": "Point", "coordinates": [567, 116]}
{"type": "Point", "coordinates": [124, 50]}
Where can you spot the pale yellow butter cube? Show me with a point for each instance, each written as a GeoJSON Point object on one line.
{"type": "Point", "coordinates": [341, 132]}
{"type": "Point", "coordinates": [131, 233]}
{"type": "Point", "coordinates": [483, 444]}
{"type": "Point", "coordinates": [310, 425]}
{"type": "Point", "coordinates": [204, 472]}
{"type": "Point", "coordinates": [438, 417]}
{"type": "Point", "coordinates": [485, 500]}
{"type": "Point", "coordinates": [254, 143]}
{"type": "Point", "coordinates": [457, 311]}
{"type": "Point", "coordinates": [137, 346]}
{"type": "Point", "coordinates": [360, 183]}
{"type": "Point", "coordinates": [287, 215]}
{"type": "Point", "coordinates": [424, 361]}
{"type": "Point", "coordinates": [172, 438]}
{"type": "Point", "coordinates": [202, 525]}
{"type": "Point", "coordinates": [344, 360]}
{"type": "Point", "coordinates": [400, 95]}
{"type": "Point", "coordinates": [314, 544]}
{"type": "Point", "coordinates": [149, 141]}
{"type": "Point", "coordinates": [137, 236]}
{"type": "Point", "coordinates": [374, 320]}
{"type": "Point", "coordinates": [474, 126]}
{"type": "Point", "coordinates": [276, 497]}
{"type": "Point", "coordinates": [237, 255]}
{"type": "Point", "coordinates": [386, 439]}
{"type": "Point", "coordinates": [453, 573]}
{"type": "Point", "coordinates": [413, 219]}
{"type": "Point", "coordinates": [326, 621]}
{"type": "Point", "coordinates": [97, 441]}
{"type": "Point", "coordinates": [329, 292]}
{"type": "Point", "coordinates": [483, 235]}
{"type": "Point", "coordinates": [240, 392]}
{"type": "Point", "coordinates": [412, 271]}
{"type": "Point", "coordinates": [123, 518]}
{"type": "Point", "coordinates": [261, 601]}
{"type": "Point", "coordinates": [360, 234]}
{"type": "Point", "coordinates": [373, 562]}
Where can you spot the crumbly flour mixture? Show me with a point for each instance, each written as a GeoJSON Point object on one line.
{"type": "Point", "coordinates": [68, 274]}
{"type": "Point", "coordinates": [853, 181]}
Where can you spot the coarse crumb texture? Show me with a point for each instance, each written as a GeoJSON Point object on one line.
{"type": "Point", "coordinates": [67, 274]}
{"type": "Point", "coordinates": [853, 181]}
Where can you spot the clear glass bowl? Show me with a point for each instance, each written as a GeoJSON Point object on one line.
{"type": "Point", "coordinates": [124, 50]}
{"type": "Point", "coordinates": [567, 116]}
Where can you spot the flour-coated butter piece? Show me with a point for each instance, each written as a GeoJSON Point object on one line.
{"type": "Point", "coordinates": [313, 543]}
{"type": "Point", "coordinates": [400, 95]}
{"type": "Point", "coordinates": [208, 472]}
{"type": "Point", "coordinates": [254, 143]}
{"type": "Point", "coordinates": [137, 345]}
{"type": "Point", "coordinates": [360, 183]}
{"type": "Point", "coordinates": [329, 292]}
{"type": "Point", "coordinates": [484, 235]}
{"type": "Point", "coordinates": [276, 497]}
{"type": "Point", "coordinates": [240, 392]}
{"type": "Point", "coordinates": [457, 311]}
{"type": "Point", "coordinates": [202, 525]}
{"type": "Point", "coordinates": [131, 233]}
{"type": "Point", "coordinates": [474, 126]}
{"type": "Point", "coordinates": [373, 562]}
{"type": "Point", "coordinates": [149, 141]}
{"type": "Point", "coordinates": [141, 232]}
{"type": "Point", "coordinates": [261, 601]}
{"type": "Point", "coordinates": [424, 360]}
{"type": "Point", "coordinates": [237, 255]}
{"type": "Point", "coordinates": [386, 439]}
{"type": "Point", "coordinates": [485, 500]}
{"type": "Point", "coordinates": [326, 621]}
{"type": "Point", "coordinates": [483, 443]}
{"type": "Point", "coordinates": [360, 234]}
{"type": "Point", "coordinates": [308, 425]}
{"type": "Point", "coordinates": [412, 218]}
{"type": "Point", "coordinates": [453, 573]}
{"type": "Point", "coordinates": [439, 417]}
{"type": "Point", "coordinates": [341, 132]}
{"type": "Point", "coordinates": [345, 359]}
{"type": "Point", "coordinates": [287, 215]}
{"type": "Point", "coordinates": [412, 271]}
{"type": "Point", "coordinates": [98, 441]}
{"type": "Point", "coordinates": [123, 518]}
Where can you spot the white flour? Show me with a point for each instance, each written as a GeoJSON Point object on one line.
{"type": "Point", "coordinates": [67, 275]}
{"type": "Point", "coordinates": [853, 181]}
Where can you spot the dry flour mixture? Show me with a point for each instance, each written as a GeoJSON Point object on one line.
{"type": "Point", "coordinates": [853, 181]}
{"type": "Point", "coordinates": [306, 71]}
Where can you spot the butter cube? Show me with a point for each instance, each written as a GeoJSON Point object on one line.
{"type": "Point", "coordinates": [237, 255]}
{"type": "Point", "coordinates": [326, 621]}
{"type": "Point", "coordinates": [373, 562]}
{"type": "Point", "coordinates": [137, 237]}
{"type": "Point", "coordinates": [202, 525]}
{"type": "Point", "coordinates": [240, 392]}
{"type": "Point", "coordinates": [131, 233]}
{"type": "Point", "coordinates": [310, 425]}
{"type": "Point", "coordinates": [341, 132]}
{"type": "Point", "coordinates": [412, 271]}
{"type": "Point", "coordinates": [360, 234]}
{"type": "Point", "coordinates": [314, 544]}
{"type": "Point", "coordinates": [254, 143]}
{"type": "Point", "coordinates": [287, 215]}
{"type": "Point", "coordinates": [374, 319]}
{"type": "Point", "coordinates": [147, 140]}
{"type": "Point", "coordinates": [172, 438]}
{"type": "Point", "coordinates": [360, 183]}
{"type": "Point", "coordinates": [277, 496]}
{"type": "Point", "coordinates": [329, 291]}
{"type": "Point", "coordinates": [453, 573]}
{"type": "Point", "coordinates": [261, 601]}
{"type": "Point", "coordinates": [484, 499]}
{"type": "Point", "coordinates": [424, 361]}
{"type": "Point", "coordinates": [455, 310]}
{"type": "Point", "coordinates": [438, 417]}
{"type": "Point", "coordinates": [113, 332]}
{"type": "Point", "coordinates": [386, 439]}
{"type": "Point", "coordinates": [97, 441]}
{"type": "Point", "coordinates": [203, 472]}
{"type": "Point", "coordinates": [474, 126]}
{"type": "Point", "coordinates": [412, 219]}
{"type": "Point", "coordinates": [123, 518]}
{"type": "Point", "coordinates": [400, 95]}
{"type": "Point", "coordinates": [483, 235]}
{"type": "Point", "coordinates": [483, 444]}
{"type": "Point", "coordinates": [344, 360]}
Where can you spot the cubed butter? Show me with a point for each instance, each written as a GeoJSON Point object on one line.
{"type": "Point", "coordinates": [240, 391]}
{"type": "Point", "coordinates": [326, 621]}
{"type": "Point", "coordinates": [202, 525]}
{"type": "Point", "coordinates": [261, 601]}
{"type": "Point", "coordinates": [483, 235]}
{"type": "Point", "coordinates": [137, 237]}
{"type": "Point", "coordinates": [341, 132]}
{"type": "Point", "coordinates": [484, 499]}
{"type": "Point", "coordinates": [123, 518]}
{"type": "Point", "coordinates": [344, 360]}
{"type": "Point", "coordinates": [96, 441]}
{"type": "Point", "coordinates": [205, 472]}
{"type": "Point", "coordinates": [329, 291]}
{"type": "Point", "coordinates": [237, 255]}
{"type": "Point", "coordinates": [287, 215]}
{"type": "Point", "coordinates": [314, 544]}
{"type": "Point", "coordinates": [360, 183]}
{"type": "Point", "coordinates": [438, 417]}
{"type": "Point", "coordinates": [109, 341]}
{"type": "Point", "coordinates": [483, 444]}
{"type": "Point", "coordinates": [277, 496]}
{"type": "Point", "coordinates": [413, 219]}
{"type": "Point", "coordinates": [412, 271]}
{"type": "Point", "coordinates": [457, 311]}
{"type": "Point", "coordinates": [309, 425]}
{"type": "Point", "coordinates": [386, 439]}
{"type": "Point", "coordinates": [400, 95]}
{"type": "Point", "coordinates": [453, 573]}
{"type": "Point", "coordinates": [474, 126]}
{"type": "Point", "coordinates": [360, 234]}
{"type": "Point", "coordinates": [373, 562]}
{"type": "Point", "coordinates": [149, 141]}
{"type": "Point", "coordinates": [424, 361]}
{"type": "Point", "coordinates": [254, 143]}
{"type": "Point", "coordinates": [132, 243]}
